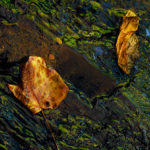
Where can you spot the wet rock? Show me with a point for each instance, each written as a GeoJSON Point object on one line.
{"type": "Point", "coordinates": [24, 40]}
{"type": "Point", "coordinates": [96, 114]}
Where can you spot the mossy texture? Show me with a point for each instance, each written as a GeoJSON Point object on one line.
{"type": "Point", "coordinates": [117, 119]}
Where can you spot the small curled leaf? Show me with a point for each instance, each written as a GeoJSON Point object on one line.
{"type": "Point", "coordinates": [127, 43]}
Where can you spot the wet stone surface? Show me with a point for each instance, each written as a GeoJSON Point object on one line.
{"type": "Point", "coordinates": [105, 108]}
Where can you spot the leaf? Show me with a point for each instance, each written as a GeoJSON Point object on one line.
{"type": "Point", "coordinates": [58, 40]}
{"type": "Point", "coordinates": [127, 43]}
{"type": "Point", "coordinates": [40, 88]}
{"type": "Point", "coordinates": [51, 57]}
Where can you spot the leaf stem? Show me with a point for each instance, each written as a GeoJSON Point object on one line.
{"type": "Point", "coordinates": [50, 129]}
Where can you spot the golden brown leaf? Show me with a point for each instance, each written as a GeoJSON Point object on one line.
{"type": "Point", "coordinates": [127, 42]}
{"type": "Point", "coordinates": [51, 57]}
{"type": "Point", "coordinates": [41, 88]}
{"type": "Point", "coordinates": [58, 40]}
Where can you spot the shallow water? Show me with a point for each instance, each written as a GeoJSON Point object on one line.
{"type": "Point", "coordinates": [105, 108]}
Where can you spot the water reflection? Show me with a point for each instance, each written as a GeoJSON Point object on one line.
{"type": "Point", "coordinates": [99, 51]}
{"type": "Point", "coordinates": [147, 32]}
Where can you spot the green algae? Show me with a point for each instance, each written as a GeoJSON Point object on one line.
{"type": "Point", "coordinates": [141, 12]}
{"type": "Point", "coordinates": [46, 31]}
{"type": "Point", "coordinates": [42, 14]}
{"type": "Point", "coordinates": [101, 30]}
{"type": "Point", "coordinates": [117, 11]}
{"type": "Point", "coordinates": [30, 17]}
{"type": "Point", "coordinates": [82, 39]}
{"type": "Point", "coordinates": [6, 3]}
{"type": "Point", "coordinates": [76, 124]}
{"type": "Point", "coordinates": [70, 41]}
{"type": "Point", "coordinates": [137, 98]}
{"type": "Point", "coordinates": [5, 22]}
{"type": "Point", "coordinates": [63, 129]}
{"type": "Point", "coordinates": [73, 147]}
{"type": "Point", "coordinates": [2, 85]}
{"type": "Point", "coordinates": [3, 147]}
{"type": "Point", "coordinates": [46, 24]}
{"type": "Point", "coordinates": [90, 34]}
{"type": "Point", "coordinates": [28, 133]}
{"type": "Point", "coordinates": [96, 5]}
{"type": "Point", "coordinates": [3, 100]}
